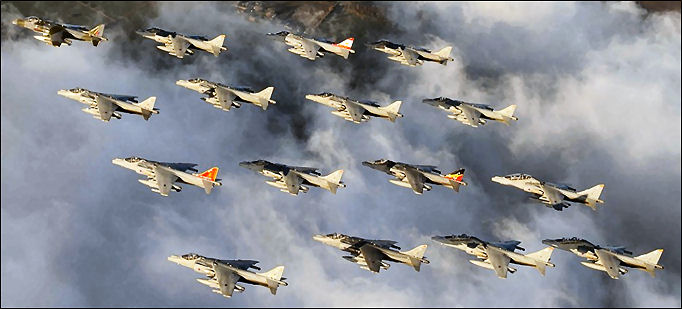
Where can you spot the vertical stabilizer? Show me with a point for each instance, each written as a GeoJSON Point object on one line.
{"type": "Point", "coordinates": [393, 110]}
{"type": "Point", "coordinates": [542, 257]}
{"type": "Point", "coordinates": [264, 97]}
{"type": "Point", "coordinates": [593, 195]}
{"type": "Point", "coordinates": [416, 256]}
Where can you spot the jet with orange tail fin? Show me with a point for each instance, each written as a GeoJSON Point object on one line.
{"type": "Point", "coordinates": [162, 176]}
{"type": "Point", "coordinates": [417, 177]}
{"type": "Point", "coordinates": [314, 48]}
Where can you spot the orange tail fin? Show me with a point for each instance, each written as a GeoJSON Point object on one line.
{"type": "Point", "coordinates": [210, 174]}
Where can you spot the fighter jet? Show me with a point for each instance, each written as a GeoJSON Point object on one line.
{"type": "Point", "coordinates": [225, 97]}
{"type": "Point", "coordinates": [553, 195]}
{"type": "Point", "coordinates": [611, 260]}
{"type": "Point", "coordinates": [103, 106]}
{"type": "Point", "coordinates": [497, 255]}
{"type": "Point", "coordinates": [472, 114]}
{"type": "Point", "coordinates": [369, 254]}
{"type": "Point", "coordinates": [294, 178]}
{"type": "Point", "coordinates": [223, 275]}
{"type": "Point", "coordinates": [179, 45]}
{"type": "Point", "coordinates": [356, 111]}
{"type": "Point", "coordinates": [412, 56]}
{"type": "Point", "coordinates": [313, 48]}
{"type": "Point", "coordinates": [56, 34]}
{"type": "Point", "coordinates": [161, 176]}
{"type": "Point", "coordinates": [417, 177]}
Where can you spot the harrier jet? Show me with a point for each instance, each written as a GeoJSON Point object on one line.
{"type": "Point", "coordinates": [103, 106]}
{"type": "Point", "coordinates": [417, 177]}
{"type": "Point", "coordinates": [179, 45]}
{"type": "Point", "coordinates": [223, 275]}
{"type": "Point", "coordinates": [497, 255]}
{"type": "Point", "coordinates": [472, 114]}
{"type": "Point", "coordinates": [56, 34]}
{"type": "Point", "coordinates": [412, 56]}
{"type": "Point", "coordinates": [356, 111]}
{"type": "Point", "coordinates": [225, 97]}
{"type": "Point", "coordinates": [161, 176]}
{"type": "Point", "coordinates": [294, 178]}
{"type": "Point", "coordinates": [369, 254]}
{"type": "Point", "coordinates": [556, 196]}
{"type": "Point", "coordinates": [313, 48]}
{"type": "Point", "coordinates": [611, 260]}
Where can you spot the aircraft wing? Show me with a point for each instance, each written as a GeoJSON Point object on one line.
{"type": "Point", "coordinates": [309, 48]}
{"type": "Point", "coordinates": [105, 107]}
{"type": "Point", "coordinates": [226, 279]}
{"type": "Point", "coordinates": [354, 110]}
{"type": "Point", "coordinates": [471, 115]}
{"type": "Point", "coordinates": [415, 179]}
{"type": "Point", "coordinates": [225, 97]}
{"type": "Point", "coordinates": [610, 262]}
{"type": "Point", "coordinates": [292, 181]}
{"type": "Point", "coordinates": [372, 257]}
{"type": "Point", "coordinates": [552, 195]}
{"type": "Point", "coordinates": [499, 260]}
{"type": "Point", "coordinates": [179, 46]}
{"type": "Point", "coordinates": [410, 56]}
{"type": "Point", "coordinates": [164, 180]}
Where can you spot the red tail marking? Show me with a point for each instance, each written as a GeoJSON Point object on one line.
{"type": "Point", "coordinates": [210, 174]}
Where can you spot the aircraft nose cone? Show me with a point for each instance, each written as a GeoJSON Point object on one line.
{"type": "Point", "coordinates": [319, 237]}
{"type": "Point", "coordinates": [367, 163]}
{"type": "Point", "coordinates": [550, 242]}
{"type": "Point", "coordinates": [18, 22]}
{"type": "Point", "coordinates": [63, 93]}
{"type": "Point", "coordinates": [498, 179]}
{"type": "Point", "coordinates": [175, 259]}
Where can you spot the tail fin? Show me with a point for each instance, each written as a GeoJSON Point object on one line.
{"type": "Point", "coordinates": [456, 179]}
{"type": "Point", "coordinates": [334, 180]}
{"type": "Point", "coordinates": [273, 278]}
{"type": "Point", "coordinates": [416, 256]}
{"type": "Point", "coordinates": [651, 257]}
{"type": "Point", "coordinates": [148, 107]}
{"type": "Point", "coordinates": [508, 113]}
{"type": "Point", "coordinates": [543, 256]}
{"type": "Point", "coordinates": [217, 45]}
{"type": "Point", "coordinates": [97, 32]}
{"type": "Point", "coordinates": [444, 53]}
{"type": "Point", "coordinates": [593, 196]}
{"type": "Point", "coordinates": [347, 43]}
{"type": "Point", "coordinates": [264, 97]}
{"type": "Point", "coordinates": [210, 173]}
{"type": "Point", "coordinates": [393, 110]}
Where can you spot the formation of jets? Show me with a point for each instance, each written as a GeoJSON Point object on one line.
{"type": "Point", "coordinates": [179, 45]}
{"type": "Point", "coordinates": [103, 106]}
{"type": "Point", "coordinates": [417, 177]}
{"type": "Point", "coordinates": [225, 97]}
{"type": "Point", "coordinates": [56, 34]}
{"type": "Point", "coordinates": [293, 179]}
{"type": "Point", "coordinates": [223, 276]}
{"type": "Point", "coordinates": [556, 196]}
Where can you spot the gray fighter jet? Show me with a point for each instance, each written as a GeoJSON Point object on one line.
{"type": "Point", "coordinates": [412, 56]}
{"type": "Point", "coordinates": [369, 253]}
{"type": "Point", "coordinates": [611, 260]}
{"type": "Point", "coordinates": [56, 34]}
{"type": "Point", "coordinates": [161, 176]}
{"type": "Point", "coordinates": [313, 48]}
{"type": "Point", "coordinates": [179, 45]}
{"type": "Point", "coordinates": [472, 114]}
{"type": "Point", "coordinates": [417, 177]}
{"type": "Point", "coordinates": [497, 255]}
{"type": "Point", "coordinates": [356, 111]}
{"type": "Point", "coordinates": [223, 275]}
{"type": "Point", "coordinates": [295, 178]}
{"type": "Point", "coordinates": [553, 195]}
{"type": "Point", "coordinates": [103, 106]}
{"type": "Point", "coordinates": [225, 97]}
